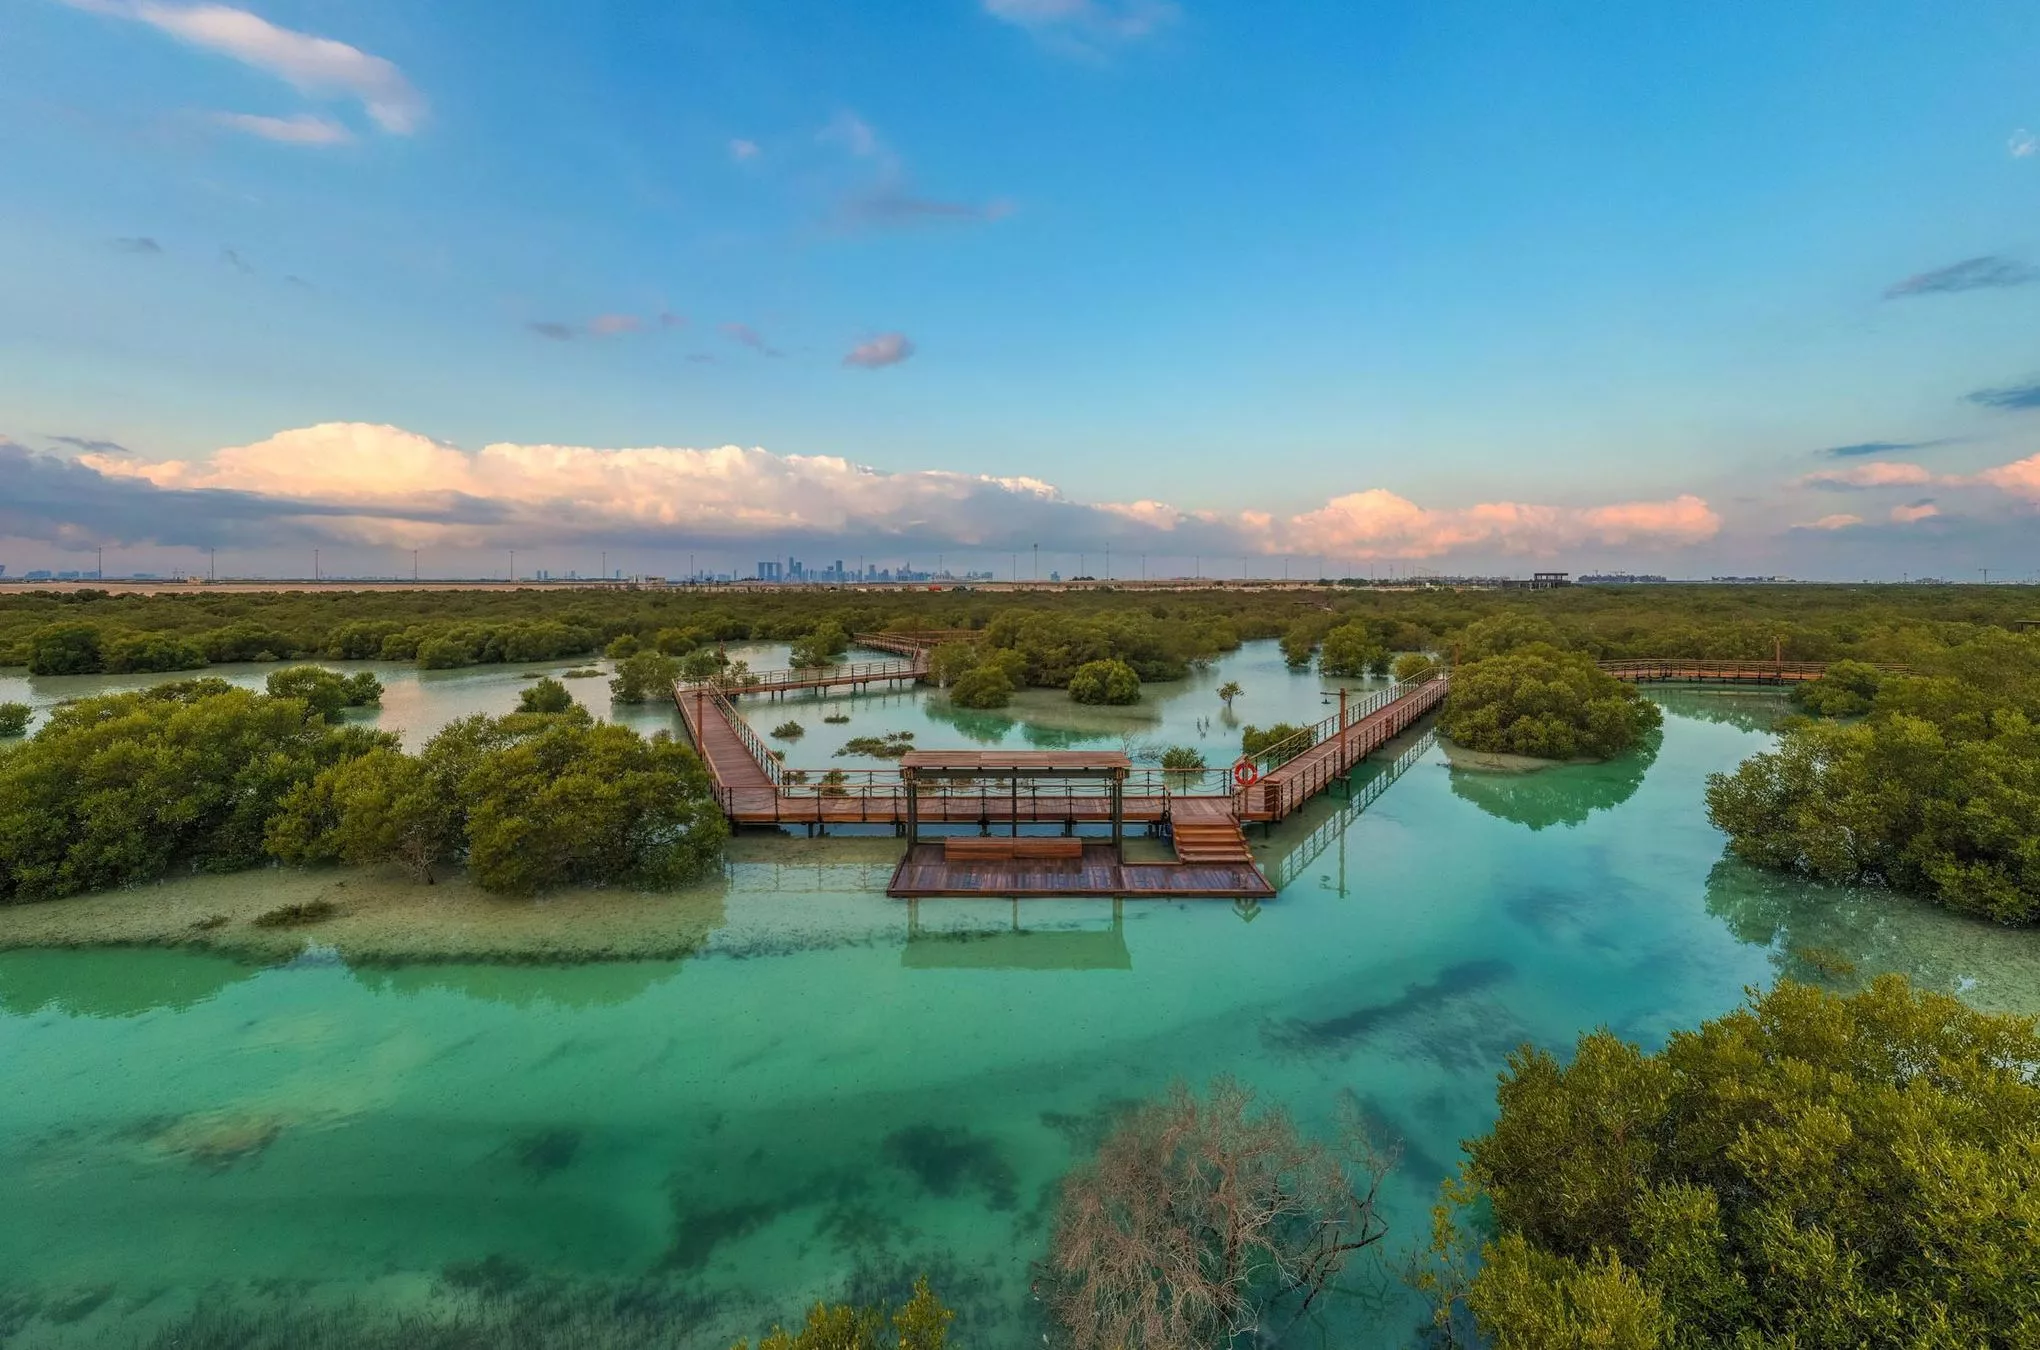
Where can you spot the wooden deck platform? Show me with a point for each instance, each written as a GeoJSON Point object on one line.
{"type": "Point", "coordinates": [1098, 873]}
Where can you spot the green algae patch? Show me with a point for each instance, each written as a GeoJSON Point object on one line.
{"type": "Point", "coordinates": [373, 916]}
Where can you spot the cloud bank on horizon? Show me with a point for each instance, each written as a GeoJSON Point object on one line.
{"type": "Point", "coordinates": [384, 486]}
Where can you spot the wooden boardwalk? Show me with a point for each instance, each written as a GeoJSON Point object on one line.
{"type": "Point", "coordinates": [1334, 751]}
{"type": "Point", "coordinates": [1724, 672]}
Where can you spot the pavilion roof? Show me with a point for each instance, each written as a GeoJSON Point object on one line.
{"type": "Point", "coordinates": [1017, 763]}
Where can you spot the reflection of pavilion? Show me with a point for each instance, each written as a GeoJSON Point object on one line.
{"type": "Point", "coordinates": [1016, 948]}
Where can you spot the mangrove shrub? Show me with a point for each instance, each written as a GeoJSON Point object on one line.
{"type": "Point", "coordinates": [1540, 701]}
{"type": "Point", "coordinates": [1811, 1170]}
{"type": "Point", "coordinates": [122, 788]}
{"type": "Point", "coordinates": [1105, 682]}
{"type": "Point", "coordinates": [1936, 792]}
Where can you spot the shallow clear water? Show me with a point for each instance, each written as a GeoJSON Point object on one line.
{"type": "Point", "coordinates": [839, 1088]}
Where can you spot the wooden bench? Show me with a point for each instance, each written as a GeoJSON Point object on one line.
{"type": "Point", "coordinates": [1010, 849]}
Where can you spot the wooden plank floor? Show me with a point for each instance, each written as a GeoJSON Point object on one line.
{"type": "Point", "coordinates": [924, 872]}
{"type": "Point", "coordinates": [1288, 786]}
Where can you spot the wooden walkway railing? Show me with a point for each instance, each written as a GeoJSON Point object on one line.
{"type": "Point", "coordinates": [1726, 672]}
{"type": "Point", "coordinates": [1332, 751]}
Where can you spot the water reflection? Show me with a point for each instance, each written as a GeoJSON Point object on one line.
{"type": "Point", "coordinates": [114, 982]}
{"type": "Point", "coordinates": [594, 985]}
{"type": "Point", "coordinates": [1748, 709]}
{"type": "Point", "coordinates": [1013, 947]}
{"type": "Point", "coordinates": [1564, 794]}
{"type": "Point", "coordinates": [1841, 936]}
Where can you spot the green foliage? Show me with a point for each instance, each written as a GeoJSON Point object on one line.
{"type": "Point", "coordinates": [1160, 635]}
{"type": "Point", "coordinates": [1260, 743]}
{"type": "Point", "coordinates": [1229, 691]}
{"type": "Point", "coordinates": [131, 652]}
{"type": "Point", "coordinates": [1183, 758]}
{"type": "Point", "coordinates": [985, 686]}
{"type": "Point", "coordinates": [1350, 650]}
{"type": "Point", "coordinates": [1845, 689]}
{"type": "Point", "coordinates": [548, 695]}
{"type": "Point", "coordinates": [1937, 792]}
{"type": "Point", "coordinates": [825, 646]}
{"type": "Point", "coordinates": [384, 806]}
{"type": "Point", "coordinates": [921, 1323]}
{"type": "Point", "coordinates": [951, 661]}
{"type": "Point", "coordinates": [789, 731]}
{"type": "Point", "coordinates": [700, 665]}
{"type": "Point", "coordinates": [14, 718]}
{"type": "Point", "coordinates": [1109, 681]}
{"type": "Point", "coordinates": [119, 789]}
{"type": "Point", "coordinates": [892, 745]}
{"type": "Point", "coordinates": [1498, 634]}
{"type": "Point", "coordinates": [1537, 700]}
{"type": "Point", "coordinates": [1299, 640]}
{"type": "Point", "coordinates": [1811, 1170]}
{"type": "Point", "coordinates": [676, 641]}
{"type": "Point", "coordinates": [623, 646]}
{"type": "Point", "coordinates": [327, 693]}
{"type": "Point", "coordinates": [297, 915]}
{"type": "Point", "coordinates": [1413, 666]}
{"type": "Point", "coordinates": [65, 649]}
{"type": "Point", "coordinates": [644, 677]}
{"type": "Point", "coordinates": [570, 801]}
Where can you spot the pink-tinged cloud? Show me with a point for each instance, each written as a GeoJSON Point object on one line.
{"type": "Point", "coordinates": [887, 349]}
{"type": "Point", "coordinates": [383, 484]}
{"type": "Point", "coordinates": [2021, 478]}
{"type": "Point", "coordinates": [1906, 515]}
{"type": "Point", "coordinates": [609, 325]}
{"type": "Point", "coordinates": [1876, 474]}
{"type": "Point", "coordinates": [1834, 522]}
{"type": "Point", "coordinates": [1379, 524]}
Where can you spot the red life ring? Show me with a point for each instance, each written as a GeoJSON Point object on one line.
{"type": "Point", "coordinates": [1246, 773]}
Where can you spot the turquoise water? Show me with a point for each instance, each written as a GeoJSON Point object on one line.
{"type": "Point", "coordinates": [840, 1090]}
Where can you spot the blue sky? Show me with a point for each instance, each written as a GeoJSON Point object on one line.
{"type": "Point", "coordinates": [1250, 262]}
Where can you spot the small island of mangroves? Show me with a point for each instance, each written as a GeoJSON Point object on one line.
{"type": "Point", "coordinates": [472, 1021]}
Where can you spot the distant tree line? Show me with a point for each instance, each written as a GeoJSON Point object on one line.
{"type": "Point", "coordinates": [1349, 631]}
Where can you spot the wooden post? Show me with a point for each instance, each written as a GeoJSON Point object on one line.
{"type": "Point", "coordinates": [1340, 759]}
{"type": "Point", "coordinates": [1016, 806]}
{"type": "Point", "coordinates": [913, 809]}
{"type": "Point", "coordinates": [1118, 817]}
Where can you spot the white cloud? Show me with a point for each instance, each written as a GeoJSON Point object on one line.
{"type": "Point", "coordinates": [303, 129]}
{"type": "Point", "coordinates": [1835, 522]}
{"type": "Point", "coordinates": [386, 485]}
{"type": "Point", "coordinates": [2023, 144]}
{"type": "Point", "coordinates": [887, 349]}
{"type": "Point", "coordinates": [1085, 27]}
{"type": "Point", "coordinates": [1906, 515]}
{"type": "Point", "coordinates": [741, 149]}
{"type": "Point", "coordinates": [311, 64]}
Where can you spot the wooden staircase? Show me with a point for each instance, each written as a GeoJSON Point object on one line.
{"type": "Point", "coordinates": [1210, 841]}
